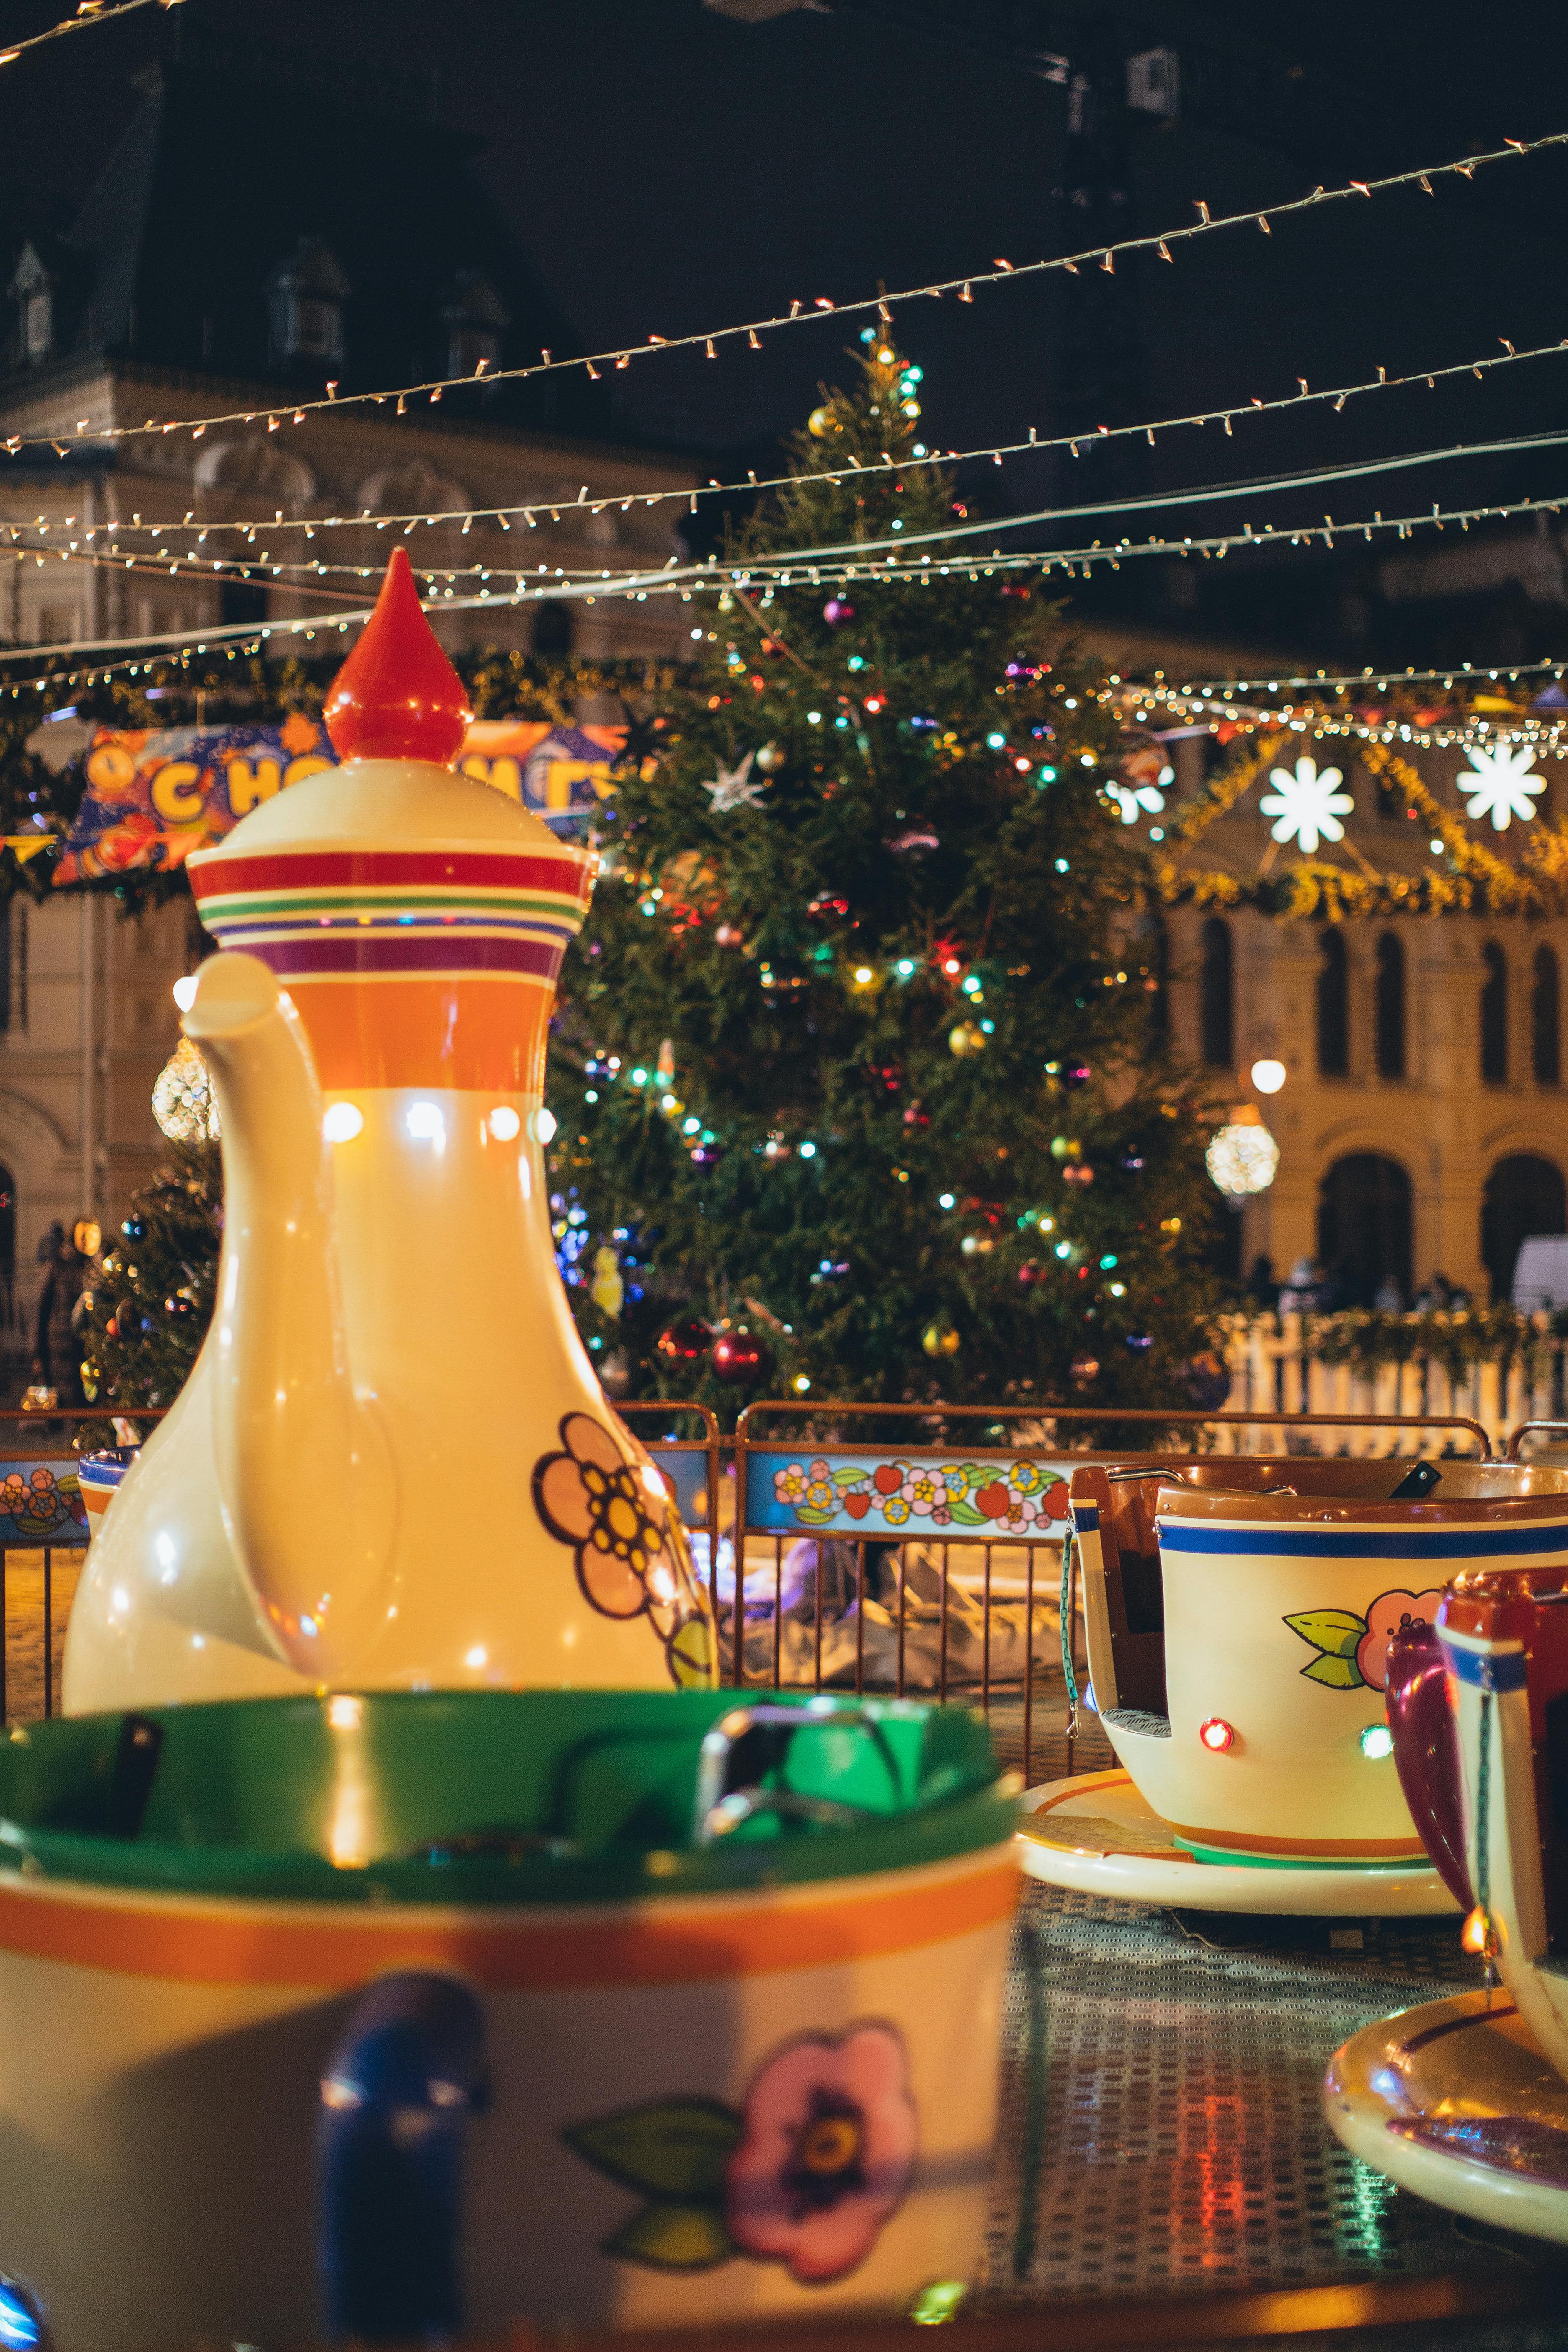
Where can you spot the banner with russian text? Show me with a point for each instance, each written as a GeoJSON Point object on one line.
{"type": "Point", "coordinates": [150, 798]}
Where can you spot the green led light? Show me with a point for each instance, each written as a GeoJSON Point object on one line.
{"type": "Point", "coordinates": [1376, 1742]}
{"type": "Point", "coordinates": [938, 2303]}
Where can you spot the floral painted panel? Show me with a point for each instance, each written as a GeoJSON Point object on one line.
{"type": "Point", "coordinates": [41, 1503]}
{"type": "Point", "coordinates": [1352, 1652]}
{"type": "Point", "coordinates": [941, 1495]}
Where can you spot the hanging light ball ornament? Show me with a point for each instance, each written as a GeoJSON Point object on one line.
{"type": "Point", "coordinates": [1243, 1157]}
{"type": "Point", "coordinates": [616, 1372]}
{"type": "Point", "coordinates": [685, 1341]}
{"type": "Point", "coordinates": [183, 1103]}
{"type": "Point", "coordinates": [770, 757]}
{"type": "Point", "coordinates": [966, 1038]}
{"type": "Point", "coordinates": [939, 1338]}
{"type": "Point", "coordinates": [739, 1357]}
{"type": "Point", "coordinates": [823, 423]}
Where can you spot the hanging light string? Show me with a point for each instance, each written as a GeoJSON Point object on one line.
{"type": "Point", "coordinates": [531, 512]}
{"type": "Point", "coordinates": [802, 568]}
{"type": "Point", "coordinates": [896, 544]}
{"type": "Point", "coordinates": [800, 313]}
{"type": "Point", "coordinates": [1382, 681]}
{"type": "Point", "coordinates": [90, 12]}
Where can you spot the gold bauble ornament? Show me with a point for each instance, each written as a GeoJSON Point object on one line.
{"type": "Point", "coordinates": [824, 424]}
{"type": "Point", "coordinates": [967, 1038]}
{"type": "Point", "coordinates": [770, 757]}
{"type": "Point", "coordinates": [183, 1103]}
{"type": "Point", "coordinates": [940, 1337]}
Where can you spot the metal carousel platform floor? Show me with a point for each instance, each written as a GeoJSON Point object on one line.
{"type": "Point", "coordinates": [1161, 2127]}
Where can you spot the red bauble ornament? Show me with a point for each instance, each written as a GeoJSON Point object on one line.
{"type": "Point", "coordinates": [398, 696]}
{"type": "Point", "coordinates": [685, 1341]}
{"type": "Point", "coordinates": [738, 1357]}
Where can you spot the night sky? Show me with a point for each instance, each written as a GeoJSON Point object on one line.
{"type": "Point", "coordinates": [665, 169]}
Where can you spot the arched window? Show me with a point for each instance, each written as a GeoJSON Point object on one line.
{"type": "Point", "coordinates": [1545, 1021]}
{"type": "Point", "coordinates": [1217, 996]}
{"type": "Point", "coordinates": [553, 629]}
{"type": "Point", "coordinates": [1524, 1196]}
{"type": "Point", "coordinates": [1494, 1015]}
{"type": "Point", "coordinates": [1333, 1005]}
{"type": "Point", "coordinates": [1390, 1007]}
{"type": "Point", "coordinates": [1364, 1228]}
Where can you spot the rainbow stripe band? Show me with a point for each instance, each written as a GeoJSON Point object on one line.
{"type": "Point", "coordinates": [409, 967]}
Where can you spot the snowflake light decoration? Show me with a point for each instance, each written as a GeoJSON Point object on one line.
{"type": "Point", "coordinates": [1501, 785]}
{"type": "Point", "coordinates": [1306, 806]}
{"type": "Point", "coordinates": [1131, 798]}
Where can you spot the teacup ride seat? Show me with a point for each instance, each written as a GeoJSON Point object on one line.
{"type": "Point", "coordinates": [388, 2016]}
{"type": "Point", "coordinates": [1238, 1614]}
{"type": "Point", "coordinates": [1466, 2101]}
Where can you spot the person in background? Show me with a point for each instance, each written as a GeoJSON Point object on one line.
{"type": "Point", "coordinates": [1389, 1298]}
{"type": "Point", "coordinates": [1261, 1286]}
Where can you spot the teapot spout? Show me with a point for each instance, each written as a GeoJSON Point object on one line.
{"type": "Point", "coordinates": [304, 1473]}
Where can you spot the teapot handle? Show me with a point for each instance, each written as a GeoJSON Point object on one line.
{"type": "Point", "coordinates": [407, 2072]}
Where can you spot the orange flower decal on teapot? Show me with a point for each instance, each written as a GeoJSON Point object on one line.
{"type": "Point", "coordinates": [626, 1539]}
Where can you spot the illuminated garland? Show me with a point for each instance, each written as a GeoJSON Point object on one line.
{"type": "Point", "coordinates": [1103, 258]}
{"type": "Point", "coordinates": [529, 511]}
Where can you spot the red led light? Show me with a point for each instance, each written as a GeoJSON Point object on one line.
{"type": "Point", "coordinates": [1216, 1735]}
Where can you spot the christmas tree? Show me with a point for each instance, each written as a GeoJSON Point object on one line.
{"type": "Point", "coordinates": [149, 1298]}
{"type": "Point", "coordinates": [858, 1080]}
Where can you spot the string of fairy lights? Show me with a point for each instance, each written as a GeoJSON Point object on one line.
{"type": "Point", "coordinates": [556, 508]}
{"type": "Point", "coordinates": [800, 312]}
{"type": "Point", "coordinates": [897, 543]}
{"type": "Point", "coordinates": [89, 12]}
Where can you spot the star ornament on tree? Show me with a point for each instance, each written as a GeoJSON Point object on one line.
{"type": "Point", "coordinates": [1306, 807]}
{"type": "Point", "coordinates": [732, 789]}
{"type": "Point", "coordinates": [1501, 785]}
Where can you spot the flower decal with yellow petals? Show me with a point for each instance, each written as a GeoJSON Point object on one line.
{"type": "Point", "coordinates": [626, 1539]}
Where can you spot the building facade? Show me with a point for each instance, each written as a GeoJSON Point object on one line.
{"type": "Point", "coordinates": [364, 259]}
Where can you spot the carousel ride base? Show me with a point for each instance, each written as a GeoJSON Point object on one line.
{"type": "Point", "coordinates": [1455, 2101]}
{"type": "Point", "coordinates": [1096, 1834]}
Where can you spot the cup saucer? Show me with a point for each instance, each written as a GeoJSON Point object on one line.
{"type": "Point", "coordinates": [1097, 1834]}
{"type": "Point", "coordinates": [1455, 2101]}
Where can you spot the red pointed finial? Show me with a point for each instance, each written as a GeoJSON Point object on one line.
{"type": "Point", "coordinates": [398, 696]}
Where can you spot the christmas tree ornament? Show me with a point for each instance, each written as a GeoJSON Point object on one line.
{"type": "Point", "coordinates": [616, 1372]}
{"type": "Point", "coordinates": [685, 1341]}
{"type": "Point", "coordinates": [911, 839]}
{"type": "Point", "coordinates": [768, 758]}
{"type": "Point", "coordinates": [731, 787]}
{"type": "Point", "coordinates": [664, 1068]}
{"type": "Point", "coordinates": [966, 1038]}
{"type": "Point", "coordinates": [1077, 1074]}
{"type": "Point", "coordinates": [1134, 1162]}
{"type": "Point", "coordinates": [707, 1155]}
{"type": "Point", "coordinates": [729, 935]}
{"type": "Point", "coordinates": [134, 1229]}
{"type": "Point", "coordinates": [1206, 1381]}
{"type": "Point", "coordinates": [1084, 1370]}
{"type": "Point", "coordinates": [836, 612]}
{"type": "Point", "coordinates": [183, 1103]}
{"type": "Point", "coordinates": [607, 1289]}
{"type": "Point", "coordinates": [940, 1337]}
{"type": "Point", "coordinates": [1138, 1343]}
{"type": "Point", "coordinates": [1066, 1146]}
{"type": "Point", "coordinates": [1243, 1157]}
{"type": "Point", "coordinates": [823, 423]}
{"type": "Point", "coordinates": [375, 1030]}
{"type": "Point", "coordinates": [1079, 1173]}
{"type": "Point", "coordinates": [739, 1357]}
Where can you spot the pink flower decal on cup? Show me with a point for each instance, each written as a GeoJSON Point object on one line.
{"type": "Point", "coordinates": [1391, 1613]}
{"type": "Point", "coordinates": [829, 2136]}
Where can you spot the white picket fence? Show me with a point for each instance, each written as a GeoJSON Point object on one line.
{"type": "Point", "coordinates": [1271, 1370]}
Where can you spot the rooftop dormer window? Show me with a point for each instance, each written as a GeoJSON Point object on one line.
{"type": "Point", "coordinates": [306, 298]}
{"type": "Point", "coordinates": [475, 319]}
{"type": "Point", "coordinates": [32, 292]}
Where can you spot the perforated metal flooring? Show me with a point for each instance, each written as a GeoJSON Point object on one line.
{"type": "Point", "coordinates": [1160, 2125]}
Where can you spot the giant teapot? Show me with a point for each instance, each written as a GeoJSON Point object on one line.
{"type": "Point", "coordinates": [393, 1464]}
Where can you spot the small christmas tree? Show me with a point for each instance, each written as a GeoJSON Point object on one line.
{"type": "Point", "coordinates": [857, 1067]}
{"type": "Point", "coordinates": [146, 1311]}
